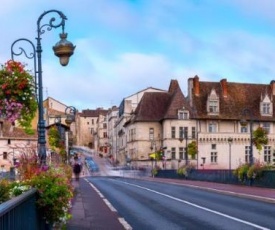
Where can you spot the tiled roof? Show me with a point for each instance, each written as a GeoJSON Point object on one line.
{"type": "Point", "coordinates": [15, 132]}
{"type": "Point", "coordinates": [156, 106]}
{"type": "Point", "coordinates": [152, 106]}
{"type": "Point", "coordinates": [239, 96]}
{"type": "Point", "coordinates": [93, 112]}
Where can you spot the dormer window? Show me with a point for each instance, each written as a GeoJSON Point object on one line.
{"type": "Point", "coordinates": [183, 114]}
{"type": "Point", "coordinates": [213, 107]}
{"type": "Point", "coordinates": [266, 107]}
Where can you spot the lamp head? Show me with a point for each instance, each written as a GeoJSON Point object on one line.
{"type": "Point", "coordinates": [63, 49]}
{"type": "Point", "coordinates": [243, 122]}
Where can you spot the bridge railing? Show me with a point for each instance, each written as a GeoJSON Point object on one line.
{"type": "Point", "coordinates": [21, 213]}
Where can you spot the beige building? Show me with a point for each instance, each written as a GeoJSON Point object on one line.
{"type": "Point", "coordinates": [126, 109]}
{"type": "Point", "coordinates": [13, 141]}
{"type": "Point", "coordinates": [92, 129]}
{"type": "Point", "coordinates": [209, 115]}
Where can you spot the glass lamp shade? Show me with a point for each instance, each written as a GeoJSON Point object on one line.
{"type": "Point", "coordinates": [63, 49]}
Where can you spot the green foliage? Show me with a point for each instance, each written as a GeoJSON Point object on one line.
{"type": "Point", "coordinates": [241, 172]}
{"type": "Point", "coordinates": [4, 190]}
{"type": "Point", "coordinates": [192, 149]}
{"type": "Point", "coordinates": [246, 171]}
{"type": "Point", "coordinates": [54, 195]}
{"type": "Point", "coordinates": [53, 186]}
{"type": "Point", "coordinates": [54, 137]}
{"type": "Point", "coordinates": [260, 138]}
{"type": "Point", "coordinates": [185, 170]}
{"type": "Point", "coordinates": [155, 170]}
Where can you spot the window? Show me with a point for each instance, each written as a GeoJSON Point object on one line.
{"type": "Point", "coordinates": [173, 153]}
{"type": "Point", "coordinates": [266, 127]}
{"type": "Point", "coordinates": [185, 132]}
{"type": "Point", "coordinates": [213, 146]}
{"type": "Point", "coordinates": [104, 125]}
{"type": "Point", "coordinates": [183, 115]}
{"type": "Point", "coordinates": [214, 157]}
{"type": "Point", "coordinates": [247, 151]}
{"type": "Point", "coordinates": [181, 132]}
{"type": "Point", "coordinates": [105, 135]}
{"type": "Point", "coordinates": [92, 121]}
{"type": "Point", "coordinates": [213, 106]}
{"type": "Point", "coordinates": [5, 155]}
{"type": "Point", "coordinates": [267, 154]}
{"type": "Point", "coordinates": [173, 132]}
{"type": "Point", "coordinates": [244, 129]}
{"type": "Point", "coordinates": [212, 127]}
{"type": "Point", "coordinates": [193, 132]}
{"type": "Point", "coordinates": [9, 141]}
{"type": "Point", "coordinates": [151, 134]}
{"type": "Point", "coordinates": [266, 108]}
{"type": "Point", "coordinates": [132, 134]}
{"type": "Point", "coordinates": [181, 153]}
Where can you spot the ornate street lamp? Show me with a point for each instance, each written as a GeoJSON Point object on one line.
{"type": "Point", "coordinates": [63, 49]}
{"type": "Point", "coordinates": [244, 123]}
{"type": "Point", "coordinates": [70, 113]}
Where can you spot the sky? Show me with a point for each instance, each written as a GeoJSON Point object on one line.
{"type": "Point", "coordinates": [125, 46]}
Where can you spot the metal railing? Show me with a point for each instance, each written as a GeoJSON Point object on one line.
{"type": "Point", "coordinates": [21, 213]}
{"type": "Point", "coordinates": [220, 176]}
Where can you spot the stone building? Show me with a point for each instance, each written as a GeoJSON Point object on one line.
{"type": "Point", "coordinates": [209, 115]}
{"type": "Point", "coordinates": [92, 126]}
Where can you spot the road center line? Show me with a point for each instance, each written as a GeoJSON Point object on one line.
{"type": "Point", "coordinates": [198, 206]}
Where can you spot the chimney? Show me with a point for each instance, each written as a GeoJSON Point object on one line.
{"type": "Point", "coordinates": [196, 86]}
{"type": "Point", "coordinates": [272, 84]}
{"type": "Point", "coordinates": [224, 87]}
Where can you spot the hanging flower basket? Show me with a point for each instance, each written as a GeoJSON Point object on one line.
{"type": "Point", "coordinates": [260, 138]}
{"type": "Point", "coordinates": [17, 94]}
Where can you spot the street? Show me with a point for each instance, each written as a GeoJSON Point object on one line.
{"type": "Point", "coordinates": [152, 205]}
{"type": "Point", "coordinates": [146, 203]}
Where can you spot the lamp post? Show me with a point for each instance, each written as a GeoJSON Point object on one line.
{"type": "Point", "coordinates": [63, 49]}
{"type": "Point", "coordinates": [230, 140]}
{"type": "Point", "coordinates": [244, 123]}
{"type": "Point", "coordinates": [70, 113]}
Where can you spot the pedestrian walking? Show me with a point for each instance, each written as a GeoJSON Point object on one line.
{"type": "Point", "coordinates": [77, 167]}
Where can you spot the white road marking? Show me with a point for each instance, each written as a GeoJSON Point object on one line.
{"type": "Point", "coordinates": [125, 224]}
{"type": "Point", "coordinates": [198, 206]}
{"type": "Point", "coordinates": [120, 219]}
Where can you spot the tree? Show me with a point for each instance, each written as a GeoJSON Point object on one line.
{"type": "Point", "coordinates": [260, 138]}
{"type": "Point", "coordinates": [192, 149]}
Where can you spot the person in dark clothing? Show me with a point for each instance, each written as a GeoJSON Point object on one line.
{"type": "Point", "coordinates": [77, 169]}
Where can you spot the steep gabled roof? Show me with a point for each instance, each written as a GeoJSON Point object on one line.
{"type": "Point", "coordinates": [152, 106]}
{"type": "Point", "coordinates": [238, 96]}
{"type": "Point", "coordinates": [177, 100]}
{"type": "Point", "coordinates": [156, 106]}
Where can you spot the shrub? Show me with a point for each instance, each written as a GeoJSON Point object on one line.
{"type": "Point", "coordinates": [4, 190]}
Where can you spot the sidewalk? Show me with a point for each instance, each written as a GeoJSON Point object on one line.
{"type": "Point", "coordinates": [89, 211]}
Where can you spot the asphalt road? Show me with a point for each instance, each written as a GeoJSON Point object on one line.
{"type": "Point", "coordinates": [153, 205]}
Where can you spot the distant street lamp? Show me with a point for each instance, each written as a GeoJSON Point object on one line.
{"type": "Point", "coordinates": [230, 140]}
{"type": "Point", "coordinates": [63, 49]}
{"type": "Point", "coordinates": [244, 124]}
{"type": "Point", "coordinates": [70, 113]}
